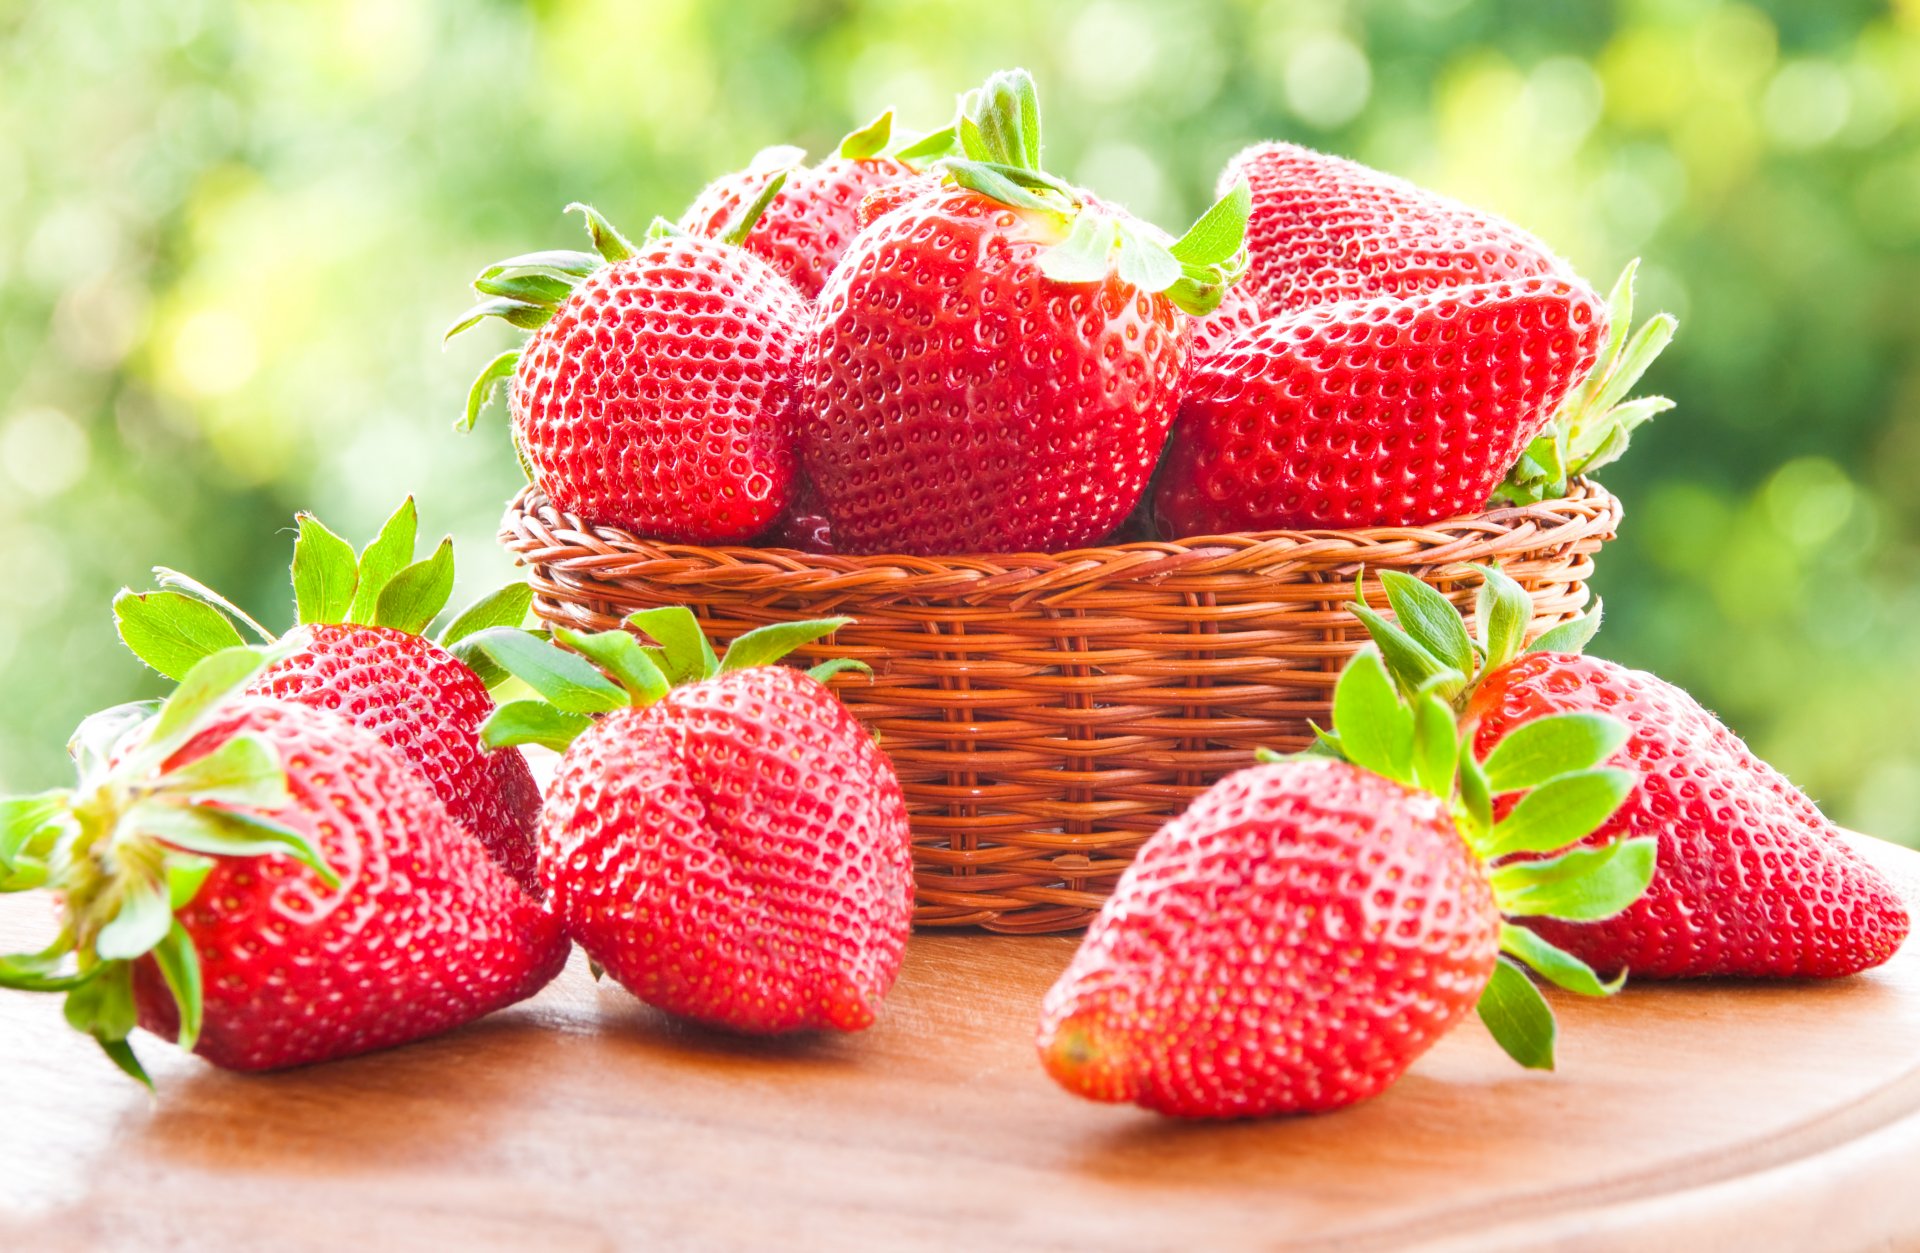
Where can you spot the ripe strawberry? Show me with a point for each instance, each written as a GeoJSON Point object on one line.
{"type": "Point", "coordinates": [734, 849]}
{"type": "Point", "coordinates": [1325, 229]}
{"type": "Point", "coordinates": [1310, 927]}
{"type": "Point", "coordinates": [359, 650]}
{"type": "Point", "coordinates": [816, 215]}
{"type": "Point", "coordinates": [1384, 412]}
{"type": "Point", "coordinates": [656, 392]}
{"type": "Point", "coordinates": [265, 883]}
{"type": "Point", "coordinates": [1752, 881]}
{"type": "Point", "coordinates": [994, 364]}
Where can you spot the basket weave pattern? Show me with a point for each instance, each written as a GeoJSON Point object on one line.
{"type": "Point", "coordinates": [1047, 713]}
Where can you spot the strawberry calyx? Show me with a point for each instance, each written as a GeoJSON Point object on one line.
{"type": "Point", "coordinates": [599, 672]}
{"type": "Point", "coordinates": [1553, 768]}
{"type": "Point", "coordinates": [129, 845]}
{"type": "Point", "coordinates": [527, 290]}
{"type": "Point", "coordinates": [1595, 423]}
{"type": "Point", "coordinates": [993, 148]}
{"type": "Point", "coordinates": [183, 622]}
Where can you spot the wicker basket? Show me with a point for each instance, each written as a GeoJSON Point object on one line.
{"type": "Point", "coordinates": [1048, 712]}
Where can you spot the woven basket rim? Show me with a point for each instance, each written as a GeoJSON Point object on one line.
{"type": "Point", "coordinates": [533, 524]}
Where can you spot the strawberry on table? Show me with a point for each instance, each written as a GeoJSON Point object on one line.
{"type": "Point", "coordinates": [995, 362]}
{"type": "Point", "coordinates": [809, 224]}
{"type": "Point", "coordinates": [1753, 880]}
{"type": "Point", "coordinates": [359, 649]}
{"type": "Point", "coordinates": [657, 390]}
{"type": "Point", "coordinates": [263, 882]}
{"type": "Point", "coordinates": [1323, 228]}
{"type": "Point", "coordinates": [1310, 926]}
{"type": "Point", "coordinates": [725, 840]}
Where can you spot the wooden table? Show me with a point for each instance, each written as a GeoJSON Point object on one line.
{"type": "Point", "coordinates": [1699, 1117]}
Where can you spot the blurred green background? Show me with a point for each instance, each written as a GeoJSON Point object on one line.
{"type": "Point", "coordinates": [231, 233]}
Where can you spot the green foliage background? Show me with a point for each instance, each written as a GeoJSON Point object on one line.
{"type": "Point", "coordinates": [230, 234]}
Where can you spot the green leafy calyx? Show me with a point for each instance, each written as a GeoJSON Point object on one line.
{"type": "Point", "coordinates": [176, 627]}
{"type": "Point", "coordinates": [993, 148]}
{"type": "Point", "coordinates": [1597, 420]}
{"type": "Point", "coordinates": [596, 673]}
{"type": "Point", "coordinates": [1524, 810]}
{"type": "Point", "coordinates": [130, 844]}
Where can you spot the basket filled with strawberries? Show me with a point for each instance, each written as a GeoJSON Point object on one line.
{"type": "Point", "coordinates": [1094, 499]}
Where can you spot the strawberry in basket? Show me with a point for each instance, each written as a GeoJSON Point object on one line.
{"type": "Point", "coordinates": [656, 392]}
{"type": "Point", "coordinates": [264, 883]}
{"type": "Point", "coordinates": [725, 841]}
{"type": "Point", "coordinates": [1310, 926]}
{"type": "Point", "coordinates": [808, 225]}
{"type": "Point", "coordinates": [995, 361]}
{"type": "Point", "coordinates": [1753, 880]}
{"type": "Point", "coordinates": [359, 649]}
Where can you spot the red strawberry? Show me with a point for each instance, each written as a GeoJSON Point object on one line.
{"type": "Point", "coordinates": [359, 651]}
{"type": "Point", "coordinates": [884, 200]}
{"type": "Point", "coordinates": [177, 869]}
{"type": "Point", "coordinates": [815, 216]}
{"type": "Point", "coordinates": [1325, 229]}
{"type": "Point", "coordinates": [1385, 412]}
{"type": "Point", "coordinates": [733, 850]}
{"type": "Point", "coordinates": [657, 390]}
{"type": "Point", "coordinates": [1310, 927]}
{"type": "Point", "coordinates": [995, 364]}
{"type": "Point", "coordinates": [1752, 881]}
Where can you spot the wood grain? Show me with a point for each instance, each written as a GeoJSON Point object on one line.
{"type": "Point", "coordinates": [1711, 1116]}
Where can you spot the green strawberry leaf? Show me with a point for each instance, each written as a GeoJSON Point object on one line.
{"type": "Point", "coordinates": [620, 655]}
{"type": "Point", "coordinates": [1430, 619]}
{"type": "Point", "coordinates": [825, 671]}
{"type": "Point", "coordinates": [389, 553]}
{"type": "Point", "coordinates": [1375, 728]}
{"type": "Point", "coordinates": [140, 922]}
{"type": "Point", "coordinates": [503, 607]}
{"type": "Point", "coordinates": [199, 697]}
{"type": "Point", "coordinates": [684, 647]}
{"type": "Point", "coordinates": [870, 140]}
{"type": "Point", "coordinates": [1585, 885]}
{"type": "Point", "coordinates": [765, 645]}
{"type": "Point", "coordinates": [245, 770]}
{"type": "Point", "coordinates": [1000, 120]}
{"type": "Point", "coordinates": [1569, 637]}
{"type": "Point", "coordinates": [93, 742]}
{"type": "Point", "coordinates": [931, 147]}
{"type": "Point", "coordinates": [1502, 611]}
{"type": "Point", "coordinates": [1560, 812]}
{"type": "Point", "coordinates": [170, 631]}
{"type": "Point", "coordinates": [607, 240]}
{"type": "Point", "coordinates": [568, 682]}
{"type": "Point", "coordinates": [185, 873]}
{"type": "Point", "coordinates": [179, 964]}
{"type": "Point", "coordinates": [325, 573]}
{"type": "Point", "coordinates": [559, 262]}
{"type": "Point", "coordinates": [1145, 263]}
{"type": "Point", "coordinates": [1219, 234]}
{"type": "Point", "coordinates": [41, 972]}
{"type": "Point", "coordinates": [1413, 667]}
{"type": "Point", "coordinates": [227, 833]}
{"type": "Point", "coordinates": [532, 287]}
{"type": "Point", "coordinates": [1084, 255]}
{"type": "Point", "coordinates": [414, 597]}
{"type": "Point", "coordinates": [495, 372]}
{"type": "Point", "coordinates": [742, 225]}
{"type": "Point", "coordinates": [1535, 752]}
{"type": "Point", "coordinates": [103, 1007]}
{"type": "Point", "coordinates": [519, 313]}
{"type": "Point", "coordinates": [1476, 799]}
{"type": "Point", "coordinates": [1555, 964]}
{"type": "Point", "coordinates": [173, 580]}
{"type": "Point", "coordinates": [532, 722]}
{"type": "Point", "coordinates": [1518, 1017]}
{"type": "Point", "coordinates": [29, 825]}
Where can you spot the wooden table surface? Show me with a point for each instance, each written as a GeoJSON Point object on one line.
{"type": "Point", "coordinates": [1711, 1116]}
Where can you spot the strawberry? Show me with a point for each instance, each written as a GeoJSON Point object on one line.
{"type": "Point", "coordinates": [1392, 411]}
{"type": "Point", "coordinates": [1309, 927]}
{"type": "Point", "coordinates": [726, 841]}
{"type": "Point", "coordinates": [809, 224]}
{"type": "Point", "coordinates": [1326, 229]}
{"type": "Point", "coordinates": [995, 363]}
{"type": "Point", "coordinates": [1752, 880]}
{"type": "Point", "coordinates": [657, 390]}
{"type": "Point", "coordinates": [804, 527]}
{"type": "Point", "coordinates": [263, 882]}
{"type": "Point", "coordinates": [359, 650]}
